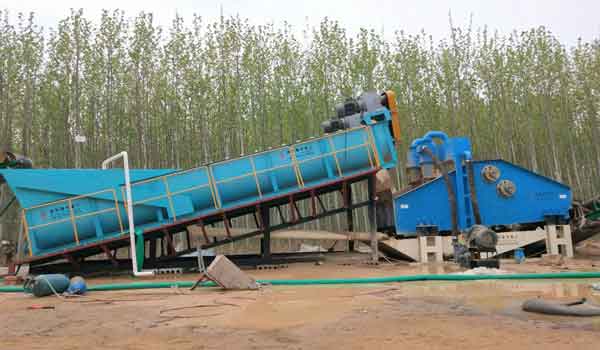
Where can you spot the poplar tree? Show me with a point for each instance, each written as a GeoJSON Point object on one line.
{"type": "Point", "coordinates": [199, 91]}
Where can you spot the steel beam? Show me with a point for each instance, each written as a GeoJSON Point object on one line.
{"type": "Point", "coordinates": [373, 220]}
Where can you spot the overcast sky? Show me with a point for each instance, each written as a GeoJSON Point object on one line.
{"type": "Point", "coordinates": [569, 20]}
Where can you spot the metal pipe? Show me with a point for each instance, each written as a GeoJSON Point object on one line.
{"type": "Point", "coordinates": [417, 142]}
{"type": "Point", "coordinates": [434, 134]}
{"type": "Point", "coordinates": [414, 155]}
{"type": "Point", "coordinates": [427, 140]}
{"type": "Point", "coordinates": [429, 136]}
{"type": "Point", "coordinates": [134, 261]}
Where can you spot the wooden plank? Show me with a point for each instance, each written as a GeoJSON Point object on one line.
{"type": "Point", "coordinates": [289, 234]}
{"type": "Point", "coordinates": [227, 275]}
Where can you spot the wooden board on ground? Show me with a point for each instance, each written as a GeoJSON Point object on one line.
{"type": "Point", "coordinates": [220, 232]}
{"type": "Point", "coordinates": [227, 275]}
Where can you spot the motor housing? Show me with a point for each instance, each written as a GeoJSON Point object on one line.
{"type": "Point", "coordinates": [350, 112]}
{"type": "Point", "coordinates": [14, 161]}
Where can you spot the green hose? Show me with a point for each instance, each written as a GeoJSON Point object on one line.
{"type": "Point", "coordinates": [145, 285]}
{"type": "Point", "coordinates": [288, 282]}
{"type": "Point", "coordinates": [11, 289]}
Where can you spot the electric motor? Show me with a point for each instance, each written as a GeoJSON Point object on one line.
{"type": "Point", "coordinates": [349, 113]}
{"type": "Point", "coordinates": [481, 237]}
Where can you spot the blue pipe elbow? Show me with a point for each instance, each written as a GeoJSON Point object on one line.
{"type": "Point", "coordinates": [467, 155]}
{"type": "Point", "coordinates": [414, 152]}
{"type": "Point", "coordinates": [435, 134]}
{"type": "Point", "coordinates": [417, 142]}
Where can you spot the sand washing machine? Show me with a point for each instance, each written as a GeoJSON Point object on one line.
{"type": "Point", "coordinates": [75, 213]}
{"type": "Point", "coordinates": [450, 193]}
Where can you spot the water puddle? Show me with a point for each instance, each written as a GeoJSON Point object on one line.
{"type": "Point", "coordinates": [505, 298]}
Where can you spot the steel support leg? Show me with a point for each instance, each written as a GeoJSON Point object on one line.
{"type": "Point", "coordinates": [75, 263]}
{"type": "Point", "coordinates": [373, 221]}
{"type": "Point", "coordinates": [187, 238]}
{"type": "Point", "coordinates": [265, 242]}
{"type": "Point", "coordinates": [153, 249]}
{"type": "Point", "coordinates": [110, 256]}
{"type": "Point", "coordinates": [313, 203]}
{"type": "Point", "coordinates": [349, 213]}
{"type": "Point", "coordinates": [170, 245]}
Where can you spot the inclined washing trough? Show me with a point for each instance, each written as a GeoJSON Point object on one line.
{"type": "Point", "coordinates": [66, 208]}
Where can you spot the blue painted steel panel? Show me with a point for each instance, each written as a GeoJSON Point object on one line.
{"type": "Point", "coordinates": [536, 197]}
{"type": "Point", "coordinates": [49, 226]}
{"type": "Point", "coordinates": [38, 186]}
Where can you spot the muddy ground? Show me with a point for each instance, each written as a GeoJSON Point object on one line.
{"type": "Point", "coordinates": [424, 315]}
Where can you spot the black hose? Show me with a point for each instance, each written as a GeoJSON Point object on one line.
{"type": "Point", "coordinates": [474, 202]}
{"type": "Point", "coordinates": [449, 188]}
{"type": "Point", "coordinates": [578, 308]}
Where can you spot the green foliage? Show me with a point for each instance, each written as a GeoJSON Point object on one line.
{"type": "Point", "coordinates": [197, 92]}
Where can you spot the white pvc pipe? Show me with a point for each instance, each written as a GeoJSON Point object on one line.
{"type": "Point", "coordinates": [129, 204]}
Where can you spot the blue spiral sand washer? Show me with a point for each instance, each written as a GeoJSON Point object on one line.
{"type": "Point", "coordinates": [67, 208]}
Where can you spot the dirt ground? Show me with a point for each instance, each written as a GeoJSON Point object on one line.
{"type": "Point", "coordinates": [421, 315]}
